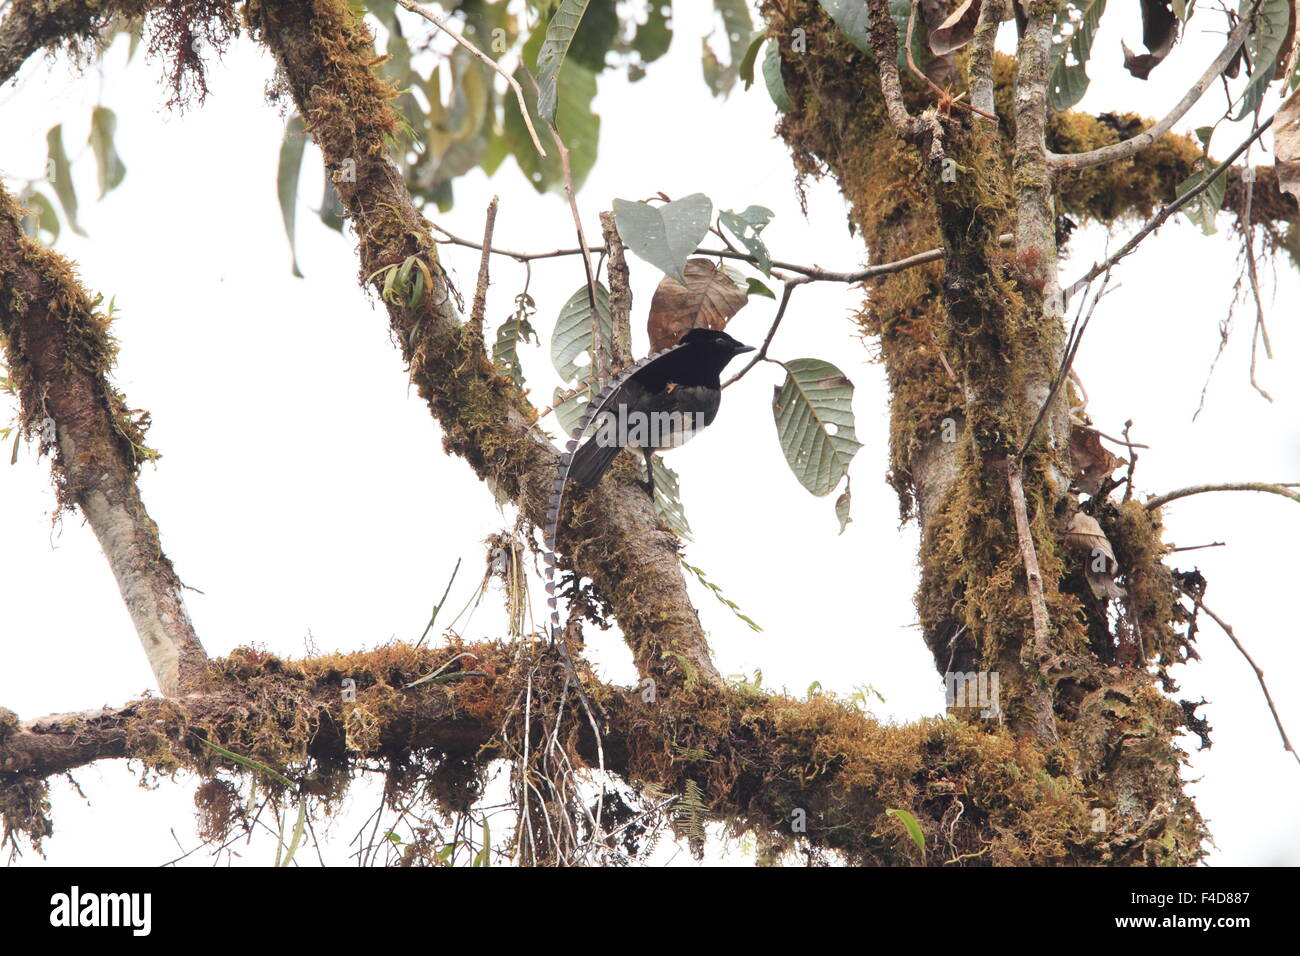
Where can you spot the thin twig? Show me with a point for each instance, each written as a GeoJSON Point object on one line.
{"type": "Point", "coordinates": [815, 273]}
{"type": "Point", "coordinates": [1135, 144]}
{"type": "Point", "coordinates": [480, 291]}
{"type": "Point", "coordinates": [944, 98]}
{"type": "Point", "coordinates": [1071, 350]}
{"type": "Point", "coordinates": [761, 354]}
{"type": "Point", "coordinates": [491, 63]}
{"type": "Point", "coordinates": [1198, 547]}
{"type": "Point", "coordinates": [1037, 601]}
{"type": "Point", "coordinates": [1166, 211]}
{"type": "Point", "coordinates": [1272, 488]}
{"type": "Point", "coordinates": [600, 353]}
{"type": "Point", "coordinates": [1248, 235]}
{"type": "Point", "coordinates": [620, 292]}
{"type": "Point", "coordinates": [1259, 674]}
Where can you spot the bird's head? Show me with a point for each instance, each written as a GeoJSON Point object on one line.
{"type": "Point", "coordinates": [715, 341]}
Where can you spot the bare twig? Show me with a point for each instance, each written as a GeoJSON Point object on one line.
{"type": "Point", "coordinates": [480, 291]}
{"type": "Point", "coordinates": [1037, 602]}
{"type": "Point", "coordinates": [761, 354]}
{"type": "Point", "coordinates": [1132, 146]}
{"type": "Point", "coordinates": [1198, 547]}
{"type": "Point", "coordinates": [1166, 211]}
{"type": "Point", "coordinates": [815, 273]}
{"type": "Point", "coordinates": [1261, 329]}
{"type": "Point", "coordinates": [1259, 674]}
{"type": "Point", "coordinates": [483, 57]}
{"type": "Point", "coordinates": [1272, 488]}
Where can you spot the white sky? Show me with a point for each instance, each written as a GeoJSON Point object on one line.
{"type": "Point", "coordinates": [303, 488]}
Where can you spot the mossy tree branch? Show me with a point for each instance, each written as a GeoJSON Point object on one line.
{"type": "Point", "coordinates": [59, 352]}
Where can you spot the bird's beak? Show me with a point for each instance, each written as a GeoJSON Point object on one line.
{"type": "Point", "coordinates": [744, 348]}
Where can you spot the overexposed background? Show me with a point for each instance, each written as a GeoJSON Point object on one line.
{"type": "Point", "coordinates": [303, 488]}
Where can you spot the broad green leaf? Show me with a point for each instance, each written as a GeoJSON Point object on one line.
{"type": "Point", "coordinates": [596, 36]}
{"type": "Point", "coordinates": [665, 236]}
{"type": "Point", "coordinates": [668, 499]}
{"type": "Point", "coordinates": [579, 126]}
{"type": "Point", "coordinates": [851, 17]}
{"type": "Point", "coordinates": [569, 412]}
{"type": "Point", "coordinates": [1069, 78]}
{"type": "Point", "coordinates": [574, 336]}
{"type": "Point", "coordinates": [814, 423]}
{"type": "Point", "coordinates": [550, 58]}
{"type": "Point", "coordinates": [1263, 44]}
{"type": "Point", "coordinates": [738, 27]}
{"type": "Point", "coordinates": [103, 125]}
{"type": "Point", "coordinates": [1205, 206]}
{"type": "Point", "coordinates": [747, 227]}
{"type": "Point", "coordinates": [773, 78]}
{"type": "Point", "coordinates": [60, 177]}
{"type": "Point", "coordinates": [655, 35]}
{"type": "Point", "coordinates": [291, 149]}
{"type": "Point", "coordinates": [754, 287]}
{"type": "Point", "coordinates": [912, 827]}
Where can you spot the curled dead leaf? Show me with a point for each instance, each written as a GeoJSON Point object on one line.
{"type": "Point", "coordinates": [1286, 145]}
{"type": "Point", "coordinates": [1085, 534]}
{"type": "Point", "coordinates": [1092, 462]}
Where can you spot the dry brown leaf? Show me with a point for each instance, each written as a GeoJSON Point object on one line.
{"type": "Point", "coordinates": [1092, 462]}
{"type": "Point", "coordinates": [1085, 534]}
{"type": "Point", "coordinates": [1159, 33]}
{"type": "Point", "coordinates": [708, 300]}
{"type": "Point", "coordinates": [959, 28]}
{"type": "Point", "coordinates": [1286, 145]}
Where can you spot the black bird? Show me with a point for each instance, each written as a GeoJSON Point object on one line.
{"type": "Point", "coordinates": [661, 405]}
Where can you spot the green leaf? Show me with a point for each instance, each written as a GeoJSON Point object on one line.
{"type": "Point", "coordinates": [851, 16]}
{"type": "Point", "coordinates": [738, 28]}
{"type": "Point", "coordinates": [655, 35]}
{"type": "Point", "coordinates": [773, 78]}
{"type": "Point", "coordinates": [735, 608]}
{"type": "Point", "coordinates": [1263, 44]}
{"type": "Point", "coordinates": [550, 58]}
{"type": "Point", "coordinates": [912, 827]}
{"type": "Point", "coordinates": [291, 149]}
{"type": "Point", "coordinates": [596, 35]}
{"type": "Point", "coordinates": [569, 412]}
{"type": "Point", "coordinates": [1205, 206]}
{"type": "Point", "coordinates": [60, 177]}
{"type": "Point", "coordinates": [665, 236]}
{"type": "Point", "coordinates": [574, 333]}
{"type": "Point", "coordinates": [516, 329]}
{"type": "Point", "coordinates": [579, 127]}
{"type": "Point", "coordinates": [746, 226]}
{"type": "Point", "coordinates": [751, 55]}
{"type": "Point", "coordinates": [814, 423]}
{"type": "Point", "coordinates": [46, 217]}
{"type": "Point", "coordinates": [668, 499]}
{"type": "Point", "coordinates": [331, 209]}
{"type": "Point", "coordinates": [103, 125]}
{"type": "Point", "coordinates": [1069, 81]}
{"type": "Point", "coordinates": [754, 287]}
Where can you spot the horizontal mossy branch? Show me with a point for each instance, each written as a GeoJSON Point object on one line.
{"type": "Point", "coordinates": [59, 352]}
{"type": "Point", "coordinates": [818, 769]}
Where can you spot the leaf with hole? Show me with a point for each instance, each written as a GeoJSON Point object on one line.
{"type": "Point", "coordinates": [574, 335]}
{"type": "Point", "coordinates": [814, 423]}
{"type": "Point", "coordinates": [747, 227]}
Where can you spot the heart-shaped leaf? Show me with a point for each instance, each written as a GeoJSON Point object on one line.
{"type": "Point", "coordinates": [665, 236]}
